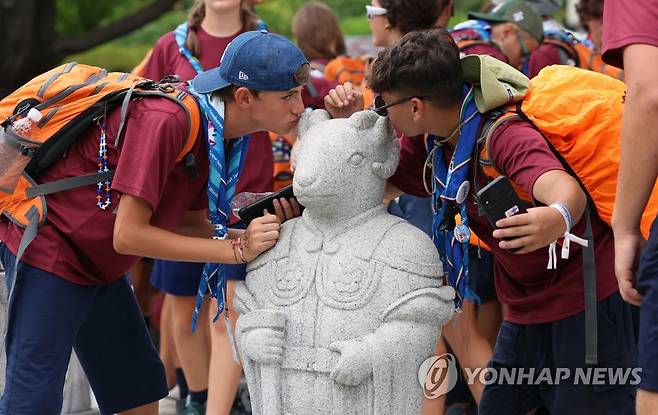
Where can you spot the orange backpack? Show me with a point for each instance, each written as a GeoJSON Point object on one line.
{"type": "Point", "coordinates": [579, 113]}
{"type": "Point", "coordinates": [70, 98]}
{"type": "Point", "coordinates": [576, 53]}
{"type": "Point", "coordinates": [346, 69]}
{"type": "Point", "coordinates": [281, 149]}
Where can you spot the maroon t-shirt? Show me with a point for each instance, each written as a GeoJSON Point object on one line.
{"type": "Point", "coordinates": [532, 293]}
{"type": "Point", "coordinates": [490, 49]}
{"type": "Point", "coordinates": [545, 55]}
{"type": "Point", "coordinates": [626, 24]}
{"type": "Point", "coordinates": [257, 174]}
{"type": "Point", "coordinates": [75, 243]}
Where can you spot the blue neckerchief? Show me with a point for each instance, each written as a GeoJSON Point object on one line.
{"type": "Point", "coordinates": [180, 34]}
{"type": "Point", "coordinates": [447, 181]}
{"type": "Point", "coordinates": [222, 182]}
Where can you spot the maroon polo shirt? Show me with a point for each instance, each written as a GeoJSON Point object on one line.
{"type": "Point", "coordinates": [532, 293]}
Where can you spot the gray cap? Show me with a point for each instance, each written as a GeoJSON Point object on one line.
{"type": "Point", "coordinates": [515, 11]}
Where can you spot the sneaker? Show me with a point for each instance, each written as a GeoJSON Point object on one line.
{"type": "Point", "coordinates": [180, 406]}
{"type": "Point", "coordinates": [194, 408]}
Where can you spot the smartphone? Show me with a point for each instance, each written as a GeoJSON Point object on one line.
{"type": "Point", "coordinates": [498, 200]}
{"type": "Point", "coordinates": [255, 210]}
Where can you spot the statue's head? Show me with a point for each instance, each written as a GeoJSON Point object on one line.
{"type": "Point", "coordinates": [342, 164]}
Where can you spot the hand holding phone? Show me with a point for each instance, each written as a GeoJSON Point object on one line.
{"type": "Point", "coordinates": [498, 200]}
{"type": "Point", "coordinates": [255, 210]}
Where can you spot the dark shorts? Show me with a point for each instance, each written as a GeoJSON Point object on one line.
{"type": "Point", "coordinates": [561, 344]}
{"type": "Point", "coordinates": [481, 269]}
{"type": "Point", "coordinates": [647, 285]}
{"type": "Point", "coordinates": [182, 278]}
{"type": "Point", "coordinates": [49, 317]}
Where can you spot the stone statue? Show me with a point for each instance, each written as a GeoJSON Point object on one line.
{"type": "Point", "coordinates": [338, 316]}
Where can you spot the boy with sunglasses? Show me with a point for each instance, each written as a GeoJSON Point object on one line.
{"type": "Point", "coordinates": [425, 88]}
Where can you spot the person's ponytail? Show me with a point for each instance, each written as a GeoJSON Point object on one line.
{"type": "Point", "coordinates": [194, 19]}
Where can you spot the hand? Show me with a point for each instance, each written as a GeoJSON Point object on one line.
{"type": "Point", "coordinates": [264, 345]}
{"type": "Point", "coordinates": [354, 365]}
{"type": "Point", "coordinates": [286, 209]}
{"type": "Point", "coordinates": [261, 234]}
{"type": "Point", "coordinates": [343, 101]}
{"type": "Point", "coordinates": [530, 231]}
{"type": "Point", "coordinates": [628, 248]}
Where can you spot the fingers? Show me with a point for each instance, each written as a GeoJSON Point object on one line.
{"type": "Point", "coordinates": [627, 288]}
{"type": "Point", "coordinates": [297, 210]}
{"type": "Point", "coordinates": [512, 232]}
{"type": "Point", "coordinates": [286, 209]}
{"type": "Point", "coordinates": [343, 101]}
{"type": "Point", "coordinates": [525, 242]}
{"type": "Point", "coordinates": [516, 220]}
{"type": "Point", "coordinates": [267, 218]}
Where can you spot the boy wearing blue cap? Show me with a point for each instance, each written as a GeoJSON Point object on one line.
{"type": "Point", "coordinates": [70, 290]}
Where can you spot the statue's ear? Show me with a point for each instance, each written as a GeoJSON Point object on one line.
{"type": "Point", "coordinates": [364, 120]}
{"type": "Point", "coordinates": [309, 119]}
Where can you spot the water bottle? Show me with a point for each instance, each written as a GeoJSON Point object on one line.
{"type": "Point", "coordinates": [16, 150]}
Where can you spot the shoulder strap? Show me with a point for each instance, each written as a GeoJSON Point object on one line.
{"type": "Point", "coordinates": [192, 112]}
{"type": "Point", "coordinates": [486, 163]}
{"type": "Point", "coordinates": [565, 47]}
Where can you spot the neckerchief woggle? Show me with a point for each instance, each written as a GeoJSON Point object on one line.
{"type": "Point", "coordinates": [452, 240]}
{"type": "Point", "coordinates": [180, 34]}
{"type": "Point", "coordinates": [222, 182]}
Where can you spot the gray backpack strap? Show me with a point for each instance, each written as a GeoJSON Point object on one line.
{"type": "Point", "coordinates": [68, 183]}
{"type": "Point", "coordinates": [28, 236]}
{"type": "Point", "coordinates": [589, 275]}
{"type": "Point", "coordinates": [124, 114]}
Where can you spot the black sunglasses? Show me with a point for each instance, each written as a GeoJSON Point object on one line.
{"type": "Point", "coordinates": [381, 107]}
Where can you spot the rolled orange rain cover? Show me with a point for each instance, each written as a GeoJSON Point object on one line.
{"type": "Point", "coordinates": [580, 113]}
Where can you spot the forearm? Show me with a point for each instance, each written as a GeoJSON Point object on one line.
{"type": "Point", "coordinates": [153, 242]}
{"type": "Point", "coordinates": [202, 228]}
{"type": "Point", "coordinates": [559, 187]}
{"type": "Point", "coordinates": [639, 139]}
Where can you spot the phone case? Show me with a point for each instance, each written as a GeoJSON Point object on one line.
{"type": "Point", "coordinates": [255, 210]}
{"type": "Point", "coordinates": [498, 200]}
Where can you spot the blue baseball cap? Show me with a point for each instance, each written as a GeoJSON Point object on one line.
{"type": "Point", "coordinates": [257, 60]}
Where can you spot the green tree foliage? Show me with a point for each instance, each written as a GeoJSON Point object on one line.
{"type": "Point", "coordinates": [126, 52]}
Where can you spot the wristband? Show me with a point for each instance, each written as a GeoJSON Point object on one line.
{"type": "Point", "coordinates": [565, 214]}
{"type": "Point", "coordinates": [237, 247]}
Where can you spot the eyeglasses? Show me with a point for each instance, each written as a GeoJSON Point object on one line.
{"type": "Point", "coordinates": [381, 107]}
{"type": "Point", "coordinates": [372, 11]}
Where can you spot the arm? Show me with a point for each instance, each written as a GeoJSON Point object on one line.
{"type": "Point", "coordinates": [639, 162]}
{"type": "Point", "coordinates": [543, 225]}
{"type": "Point", "coordinates": [134, 235]}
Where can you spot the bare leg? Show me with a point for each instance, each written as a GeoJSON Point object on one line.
{"type": "Point", "coordinates": [647, 402]}
{"type": "Point", "coordinates": [140, 275]}
{"type": "Point", "coordinates": [224, 372]}
{"type": "Point", "coordinates": [435, 406]}
{"type": "Point", "coordinates": [192, 348]}
{"type": "Point", "coordinates": [167, 347]}
{"type": "Point", "coordinates": [489, 319]}
{"type": "Point", "coordinates": [471, 349]}
{"type": "Point", "coordinates": [148, 409]}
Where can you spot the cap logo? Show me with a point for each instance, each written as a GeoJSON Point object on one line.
{"type": "Point", "coordinates": [243, 76]}
{"type": "Point", "coordinates": [518, 17]}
